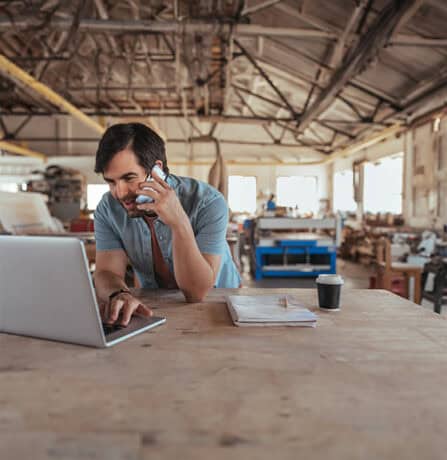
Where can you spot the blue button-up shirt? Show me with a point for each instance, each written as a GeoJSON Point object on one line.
{"type": "Point", "coordinates": [207, 211]}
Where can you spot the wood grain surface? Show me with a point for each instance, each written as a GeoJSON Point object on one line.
{"type": "Point", "coordinates": [369, 382]}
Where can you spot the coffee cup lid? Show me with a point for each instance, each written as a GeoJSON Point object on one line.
{"type": "Point", "coordinates": [330, 279]}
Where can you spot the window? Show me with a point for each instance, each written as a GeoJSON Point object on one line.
{"type": "Point", "coordinates": [301, 191]}
{"type": "Point", "coordinates": [383, 185]}
{"type": "Point", "coordinates": [242, 193]}
{"type": "Point", "coordinates": [344, 191]}
{"type": "Point", "coordinates": [95, 193]}
{"type": "Point", "coordinates": [9, 187]}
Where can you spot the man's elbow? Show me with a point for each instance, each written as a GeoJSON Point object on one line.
{"type": "Point", "coordinates": [195, 297]}
{"type": "Point", "coordinates": [197, 293]}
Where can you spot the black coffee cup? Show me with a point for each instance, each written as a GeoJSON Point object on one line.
{"type": "Point", "coordinates": [329, 290]}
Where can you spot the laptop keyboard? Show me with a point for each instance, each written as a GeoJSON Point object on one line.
{"type": "Point", "coordinates": [109, 328]}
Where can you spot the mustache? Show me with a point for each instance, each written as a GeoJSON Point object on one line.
{"type": "Point", "coordinates": [128, 198]}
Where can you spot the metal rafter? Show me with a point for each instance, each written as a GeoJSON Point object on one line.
{"type": "Point", "coordinates": [406, 17]}
{"type": "Point", "coordinates": [19, 128]}
{"type": "Point", "coordinates": [13, 72]}
{"type": "Point", "coordinates": [337, 130]}
{"type": "Point", "coordinates": [260, 97]}
{"type": "Point", "coordinates": [203, 138]}
{"type": "Point", "coordinates": [245, 103]}
{"type": "Point", "coordinates": [102, 12]}
{"type": "Point", "coordinates": [260, 6]}
{"type": "Point", "coordinates": [267, 79]}
{"type": "Point", "coordinates": [153, 27]}
{"type": "Point", "coordinates": [166, 107]}
{"type": "Point", "coordinates": [358, 57]}
{"type": "Point", "coordinates": [20, 150]}
{"type": "Point", "coordinates": [423, 99]}
{"type": "Point", "coordinates": [375, 92]}
{"type": "Point", "coordinates": [4, 132]}
{"type": "Point", "coordinates": [298, 78]}
{"type": "Point", "coordinates": [411, 40]}
{"type": "Point", "coordinates": [310, 20]}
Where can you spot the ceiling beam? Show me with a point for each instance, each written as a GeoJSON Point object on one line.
{"type": "Point", "coordinates": [423, 86]}
{"type": "Point", "coordinates": [267, 79]}
{"type": "Point", "coordinates": [162, 114]}
{"type": "Point", "coordinates": [152, 27]}
{"type": "Point", "coordinates": [102, 12]}
{"type": "Point", "coordinates": [338, 48]}
{"type": "Point", "coordinates": [258, 96]}
{"type": "Point", "coordinates": [242, 163]}
{"type": "Point", "coordinates": [303, 81]}
{"type": "Point", "coordinates": [196, 139]}
{"type": "Point", "coordinates": [431, 94]}
{"type": "Point", "coordinates": [295, 12]}
{"type": "Point", "coordinates": [261, 6]}
{"type": "Point", "coordinates": [335, 54]}
{"type": "Point", "coordinates": [413, 40]}
{"type": "Point", "coordinates": [406, 17]}
{"type": "Point", "coordinates": [20, 150]}
{"type": "Point", "coordinates": [358, 57]}
{"type": "Point", "coordinates": [16, 74]}
{"type": "Point", "coordinates": [374, 92]}
{"type": "Point", "coordinates": [363, 144]}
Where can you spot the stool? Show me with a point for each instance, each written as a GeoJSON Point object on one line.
{"type": "Point", "coordinates": [388, 270]}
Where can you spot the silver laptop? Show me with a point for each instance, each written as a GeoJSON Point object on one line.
{"type": "Point", "coordinates": [46, 291]}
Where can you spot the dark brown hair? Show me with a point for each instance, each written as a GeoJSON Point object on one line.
{"type": "Point", "coordinates": [147, 145]}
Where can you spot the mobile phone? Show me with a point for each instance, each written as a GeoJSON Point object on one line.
{"type": "Point", "coordinates": [147, 199]}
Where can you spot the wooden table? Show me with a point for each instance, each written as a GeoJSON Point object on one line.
{"type": "Point", "coordinates": [369, 382]}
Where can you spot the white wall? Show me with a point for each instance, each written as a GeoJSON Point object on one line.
{"type": "Point", "coordinates": [426, 186]}
{"type": "Point", "coordinates": [425, 172]}
{"type": "Point", "coordinates": [265, 175]}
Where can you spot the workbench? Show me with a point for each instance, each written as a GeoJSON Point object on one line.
{"type": "Point", "coordinates": [367, 383]}
{"type": "Point", "coordinates": [292, 247]}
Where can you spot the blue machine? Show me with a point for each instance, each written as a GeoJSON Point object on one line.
{"type": "Point", "coordinates": [280, 254]}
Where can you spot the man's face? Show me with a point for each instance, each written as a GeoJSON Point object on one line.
{"type": "Point", "coordinates": [124, 174]}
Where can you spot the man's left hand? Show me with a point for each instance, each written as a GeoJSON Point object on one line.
{"type": "Point", "coordinates": [166, 203]}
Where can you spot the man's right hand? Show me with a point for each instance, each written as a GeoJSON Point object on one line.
{"type": "Point", "coordinates": [122, 307]}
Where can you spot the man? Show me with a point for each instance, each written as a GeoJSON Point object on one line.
{"type": "Point", "coordinates": [176, 241]}
{"type": "Point", "coordinates": [271, 205]}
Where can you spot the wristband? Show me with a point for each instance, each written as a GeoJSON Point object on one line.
{"type": "Point", "coordinates": [120, 291]}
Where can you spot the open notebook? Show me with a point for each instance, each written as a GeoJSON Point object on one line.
{"type": "Point", "coordinates": [268, 310]}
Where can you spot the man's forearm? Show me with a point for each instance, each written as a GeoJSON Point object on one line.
{"type": "Point", "coordinates": [193, 273]}
{"type": "Point", "coordinates": [107, 282]}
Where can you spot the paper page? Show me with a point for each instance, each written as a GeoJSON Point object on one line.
{"type": "Point", "coordinates": [268, 308]}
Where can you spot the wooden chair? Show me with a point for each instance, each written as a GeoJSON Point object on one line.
{"type": "Point", "coordinates": [388, 270]}
{"type": "Point", "coordinates": [435, 290]}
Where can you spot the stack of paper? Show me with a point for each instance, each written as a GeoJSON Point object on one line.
{"type": "Point", "coordinates": [268, 310]}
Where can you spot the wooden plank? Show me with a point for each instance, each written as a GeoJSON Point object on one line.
{"type": "Point", "coordinates": [367, 382]}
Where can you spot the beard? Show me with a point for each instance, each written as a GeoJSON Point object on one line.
{"type": "Point", "coordinates": [130, 206]}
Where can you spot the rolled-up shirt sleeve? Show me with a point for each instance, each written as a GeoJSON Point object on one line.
{"type": "Point", "coordinates": [212, 223]}
{"type": "Point", "coordinates": [105, 236]}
